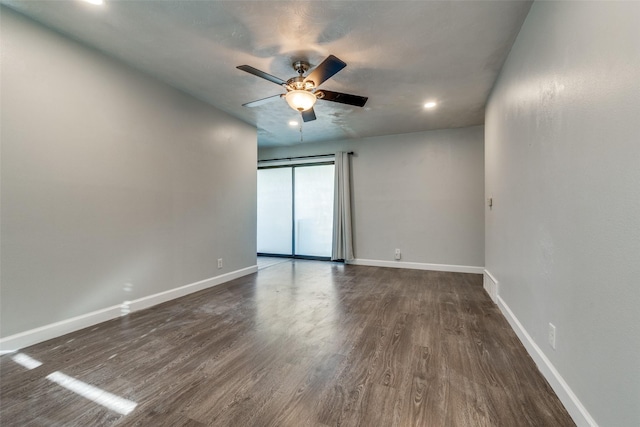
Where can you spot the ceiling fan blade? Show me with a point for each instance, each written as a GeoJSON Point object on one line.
{"type": "Point", "coordinates": [344, 98]}
{"type": "Point", "coordinates": [249, 69]}
{"type": "Point", "coordinates": [308, 115]}
{"type": "Point", "coordinates": [327, 68]}
{"type": "Point", "coordinates": [261, 101]}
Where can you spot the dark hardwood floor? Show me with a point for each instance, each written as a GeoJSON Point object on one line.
{"type": "Point", "coordinates": [300, 343]}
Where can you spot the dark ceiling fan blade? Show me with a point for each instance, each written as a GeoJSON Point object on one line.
{"type": "Point", "coordinates": [308, 115]}
{"type": "Point", "coordinates": [249, 69]}
{"type": "Point", "coordinates": [261, 101]}
{"type": "Point", "coordinates": [327, 68]}
{"type": "Point", "coordinates": [344, 98]}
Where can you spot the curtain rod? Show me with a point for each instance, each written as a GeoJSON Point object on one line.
{"type": "Point", "coordinates": [302, 157]}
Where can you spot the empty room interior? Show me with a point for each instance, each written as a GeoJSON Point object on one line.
{"type": "Point", "coordinates": [319, 213]}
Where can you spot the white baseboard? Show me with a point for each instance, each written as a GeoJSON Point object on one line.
{"type": "Point", "coordinates": [490, 285]}
{"type": "Point", "coordinates": [34, 336]}
{"type": "Point", "coordinates": [578, 412]}
{"type": "Point", "coordinates": [418, 266]}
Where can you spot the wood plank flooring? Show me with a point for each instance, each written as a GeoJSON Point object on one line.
{"type": "Point", "coordinates": [300, 343]}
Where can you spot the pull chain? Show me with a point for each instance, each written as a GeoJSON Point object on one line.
{"type": "Point", "coordinates": [301, 132]}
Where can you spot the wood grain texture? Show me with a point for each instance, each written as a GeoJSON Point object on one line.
{"type": "Point", "coordinates": [300, 343]}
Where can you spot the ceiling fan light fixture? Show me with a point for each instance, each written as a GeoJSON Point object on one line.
{"type": "Point", "coordinates": [302, 92]}
{"type": "Point", "coordinates": [300, 100]}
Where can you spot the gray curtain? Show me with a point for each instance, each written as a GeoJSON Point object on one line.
{"type": "Point", "coordinates": [342, 236]}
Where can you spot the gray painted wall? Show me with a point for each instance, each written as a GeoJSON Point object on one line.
{"type": "Point", "coordinates": [420, 192]}
{"type": "Point", "coordinates": [563, 167]}
{"type": "Point", "coordinates": [110, 181]}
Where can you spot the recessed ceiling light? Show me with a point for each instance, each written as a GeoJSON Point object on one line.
{"type": "Point", "coordinates": [96, 2]}
{"type": "Point", "coordinates": [430, 104]}
{"type": "Point", "coordinates": [293, 123]}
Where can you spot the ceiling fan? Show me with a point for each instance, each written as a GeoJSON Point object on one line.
{"type": "Point", "coordinates": [302, 92]}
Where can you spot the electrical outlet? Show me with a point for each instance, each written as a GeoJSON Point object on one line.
{"type": "Point", "coordinates": [552, 336]}
{"type": "Point", "coordinates": [219, 262]}
{"type": "Point", "coordinates": [398, 255]}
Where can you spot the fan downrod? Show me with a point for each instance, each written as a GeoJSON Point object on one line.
{"type": "Point", "coordinates": [298, 82]}
{"type": "Point", "coordinates": [301, 67]}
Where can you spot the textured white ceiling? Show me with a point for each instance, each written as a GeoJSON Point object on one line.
{"type": "Point", "coordinates": [398, 53]}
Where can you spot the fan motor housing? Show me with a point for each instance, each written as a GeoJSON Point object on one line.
{"type": "Point", "coordinates": [298, 83]}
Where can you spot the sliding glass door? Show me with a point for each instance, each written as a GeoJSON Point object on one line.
{"type": "Point", "coordinates": [313, 210]}
{"type": "Point", "coordinates": [275, 211]}
{"type": "Point", "coordinates": [295, 211]}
